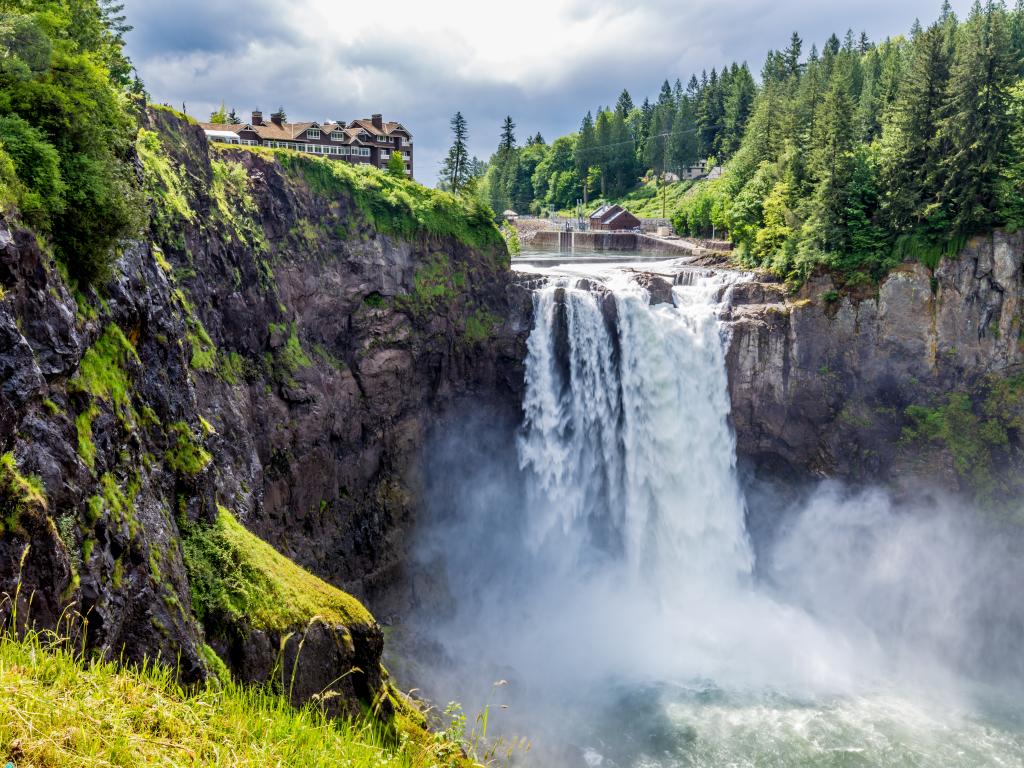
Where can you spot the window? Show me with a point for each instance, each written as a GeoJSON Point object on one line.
{"type": "Point", "coordinates": [313, 133]}
{"type": "Point", "coordinates": [337, 136]}
{"type": "Point", "coordinates": [384, 154]}
{"type": "Point", "coordinates": [249, 142]}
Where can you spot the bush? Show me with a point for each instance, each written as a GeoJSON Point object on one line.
{"type": "Point", "coordinates": [37, 166]}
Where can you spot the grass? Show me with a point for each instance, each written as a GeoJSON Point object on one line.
{"type": "Point", "coordinates": [235, 575]}
{"type": "Point", "coordinates": [164, 183]}
{"type": "Point", "coordinates": [398, 207]}
{"type": "Point", "coordinates": [234, 206]}
{"type": "Point", "coordinates": [60, 710]}
{"type": "Point", "coordinates": [19, 495]}
{"type": "Point", "coordinates": [103, 373]}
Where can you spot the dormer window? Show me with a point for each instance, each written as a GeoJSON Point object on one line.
{"type": "Point", "coordinates": [337, 135]}
{"type": "Point", "coordinates": [313, 133]}
{"type": "Point", "coordinates": [365, 136]}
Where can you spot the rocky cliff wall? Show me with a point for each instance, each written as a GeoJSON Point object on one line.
{"type": "Point", "coordinates": [917, 378]}
{"type": "Point", "coordinates": [274, 351]}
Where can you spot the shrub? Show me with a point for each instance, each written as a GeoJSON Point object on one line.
{"type": "Point", "coordinates": [37, 166]}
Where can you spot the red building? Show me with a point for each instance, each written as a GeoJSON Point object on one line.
{"type": "Point", "coordinates": [613, 218]}
{"type": "Point", "coordinates": [369, 141]}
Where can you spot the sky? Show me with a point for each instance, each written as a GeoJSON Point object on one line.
{"type": "Point", "coordinates": [544, 62]}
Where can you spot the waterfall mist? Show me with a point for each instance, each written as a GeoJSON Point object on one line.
{"type": "Point", "coordinates": [598, 558]}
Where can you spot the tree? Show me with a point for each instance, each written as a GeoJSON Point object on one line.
{"type": "Point", "coordinates": [233, 118]}
{"type": "Point", "coordinates": [220, 116]}
{"type": "Point", "coordinates": [396, 165]}
{"type": "Point", "coordinates": [977, 122]}
{"type": "Point", "coordinates": [911, 151]}
{"type": "Point", "coordinates": [682, 147]}
{"type": "Point", "coordinates": [508, 134]}
{"type": "Point", "coordinates": [791, 55]}
{"type": "Point", "coordinates": [624, 105]}
{"type": "Point", "coordinates": [455, 171]}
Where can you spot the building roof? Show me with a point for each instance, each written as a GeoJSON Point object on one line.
{"type": "Point", "coordinates": [270, 131]}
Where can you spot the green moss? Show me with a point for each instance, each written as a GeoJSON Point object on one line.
{"type": "Point", "coordinates": [979, 431]}
{"type": "Point", "coordinates": [118, 499]}
{"type": "Point", "coordinates": [186, 456]}
{"type": "Point", "coordinates": [103, 372]}
{"type": "Point", "coordinates": [19, 495]}
{"type": "Point", "coordinates": [164, 183]}
{"type": "Point", "coordinates": [235, 576]}
{"type": "Point", "coordinates": [117, 578]}
{"type": "Point", "coordinates": [288, 358]}
{"type": "Point", "coordinates": [480, 326]}
{"type": "Point", "coordinates": [232, 368]}
{"type": "Point", "coordinates": [436, 283]}
{"type": "Point", "coordinates": [52, 408]}
{"type": "Point", "coordinates": [204, 351]}
{"type": "Point", "coordinates": [234, 206]}
{"type": "Point", "coordinates": [375, 301]}
{"type": "Point", "coordinates": [83, 427]}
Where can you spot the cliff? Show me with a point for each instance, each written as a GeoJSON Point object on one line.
{"type": "Point", "coordinates": [273, 354]}
{"type": "Point", "coordinates": [917, 379]}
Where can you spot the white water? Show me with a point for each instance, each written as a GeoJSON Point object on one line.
{"type": "Point", "coordinates": [628, 447]}
{"type": "Point", "coordinates": [619, 595]}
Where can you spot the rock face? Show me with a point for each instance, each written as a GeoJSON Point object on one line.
{"type": "Point", "coordinates": [266, 348]}
{"type": "Point", "coordinates": [821, 382]}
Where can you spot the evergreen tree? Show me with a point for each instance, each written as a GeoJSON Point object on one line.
{"type": "Point", "coordinates": [624, 105]}
{"type": "Point", "coordinates": [220, 116]}
{"type": "Point", "coordinates": [739, 102]}
{"type": "Point", "coordinates": [508, 134]}
{"type": "Point", "coordinates": [977, 122]}
{"type": "Point", "coordinates": [455, 171]}
{"type": "Point", "coordinates": [682, 149]}
{"type": "Point", "coordinates": [791, 55]}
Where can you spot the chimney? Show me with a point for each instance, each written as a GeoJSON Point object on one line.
{"type": "Point", "coordinates": [257, 117]}
{"type": "Point", "coordinates": [277, 119]}
{"type": "Point", "coordinates": [378, 122]}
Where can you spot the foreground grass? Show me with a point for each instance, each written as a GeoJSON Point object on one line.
{"type": "Point", "coordinates": [58, 710]}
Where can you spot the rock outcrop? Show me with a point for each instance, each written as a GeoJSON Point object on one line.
{"type": "Point", "coordinates": [828, 383]}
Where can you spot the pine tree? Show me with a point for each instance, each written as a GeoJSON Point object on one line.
{"type": "Point", "coordinates": [665, 95]}
{"type": "Point", "coordinates": [220, 116]}
{"type": "Point", "coordinates": [455, 171]}
{"type": "Point", "coordinates": [739, 102]}
{"type": "Point", "coordinates": [585, 154]}
{"type": "Point", "coordinates": [912, 153]}
{"type": "Point", "coordinates": [792, 55]}
{"type": "Point", "coordinates": [682, 148]}
{"type": "Point", "coordinates": [977, 123]}
{"type": "Point", "coordinates": [624, 105]}
{"type": "Point", "coordinates": [508, 134]}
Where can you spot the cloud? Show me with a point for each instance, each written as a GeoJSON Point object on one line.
{"type": "Point", "coordinates": [545, 62]}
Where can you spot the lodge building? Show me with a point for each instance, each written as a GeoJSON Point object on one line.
{"type": "Point", "coordinates": [364, 141]}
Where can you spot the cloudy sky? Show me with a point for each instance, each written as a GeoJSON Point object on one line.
{"type": "Point", "coordinates": [545, 62]}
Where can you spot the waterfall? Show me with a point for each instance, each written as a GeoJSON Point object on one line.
{"type": "Point", "coordinates": [626, 441]}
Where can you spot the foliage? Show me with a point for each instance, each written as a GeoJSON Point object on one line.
{"type": "Point", "coordinates": [186, 455]}
{"type": "Point", "coordinates": [234, 206]}
{"type": "Point", "coordinates": [396, 165]}
{"type": "Point", "coordinates": [480, 325]}
{"type": "Point", "coordinates": [511, 235]}
{"type": "Point", "coordinates": [872, 154]}
{"type": "Point", "coordinates": [18, 495]}
{"type": "Point", "coordinates": [103, 371]}
{"type": "Point", "coordinates": [41, 193]}
{"type": "Point", "coordinates": [58, 708]}
{"type": "Point", "coordinates": [64, 76]}
{"type": "Point", "coordinates": [164, 182]}
{"type": "Point", "coordinates": [455, 171]}
{"type": "Point", "coordinates": [235, 576]}
{"type": "Point", "coordinates": [398, 207]}
{"type": "Point", "coordinates": [978, 430]}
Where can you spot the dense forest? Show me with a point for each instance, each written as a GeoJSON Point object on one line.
{"type": "Point", "coordinates": [615, 146]}
{"type": "Point", "coordinates": [854, 156]}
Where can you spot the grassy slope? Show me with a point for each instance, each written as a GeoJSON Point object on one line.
{"type": "Point", "coordinates": [57, 710]}
{"type": "Point", "coordinates": [645, 201]}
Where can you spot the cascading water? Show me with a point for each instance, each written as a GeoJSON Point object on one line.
{"type": "Point", "coordinates": [601, 566]}
{"type": "Point", "coordinates": [626, 438]}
